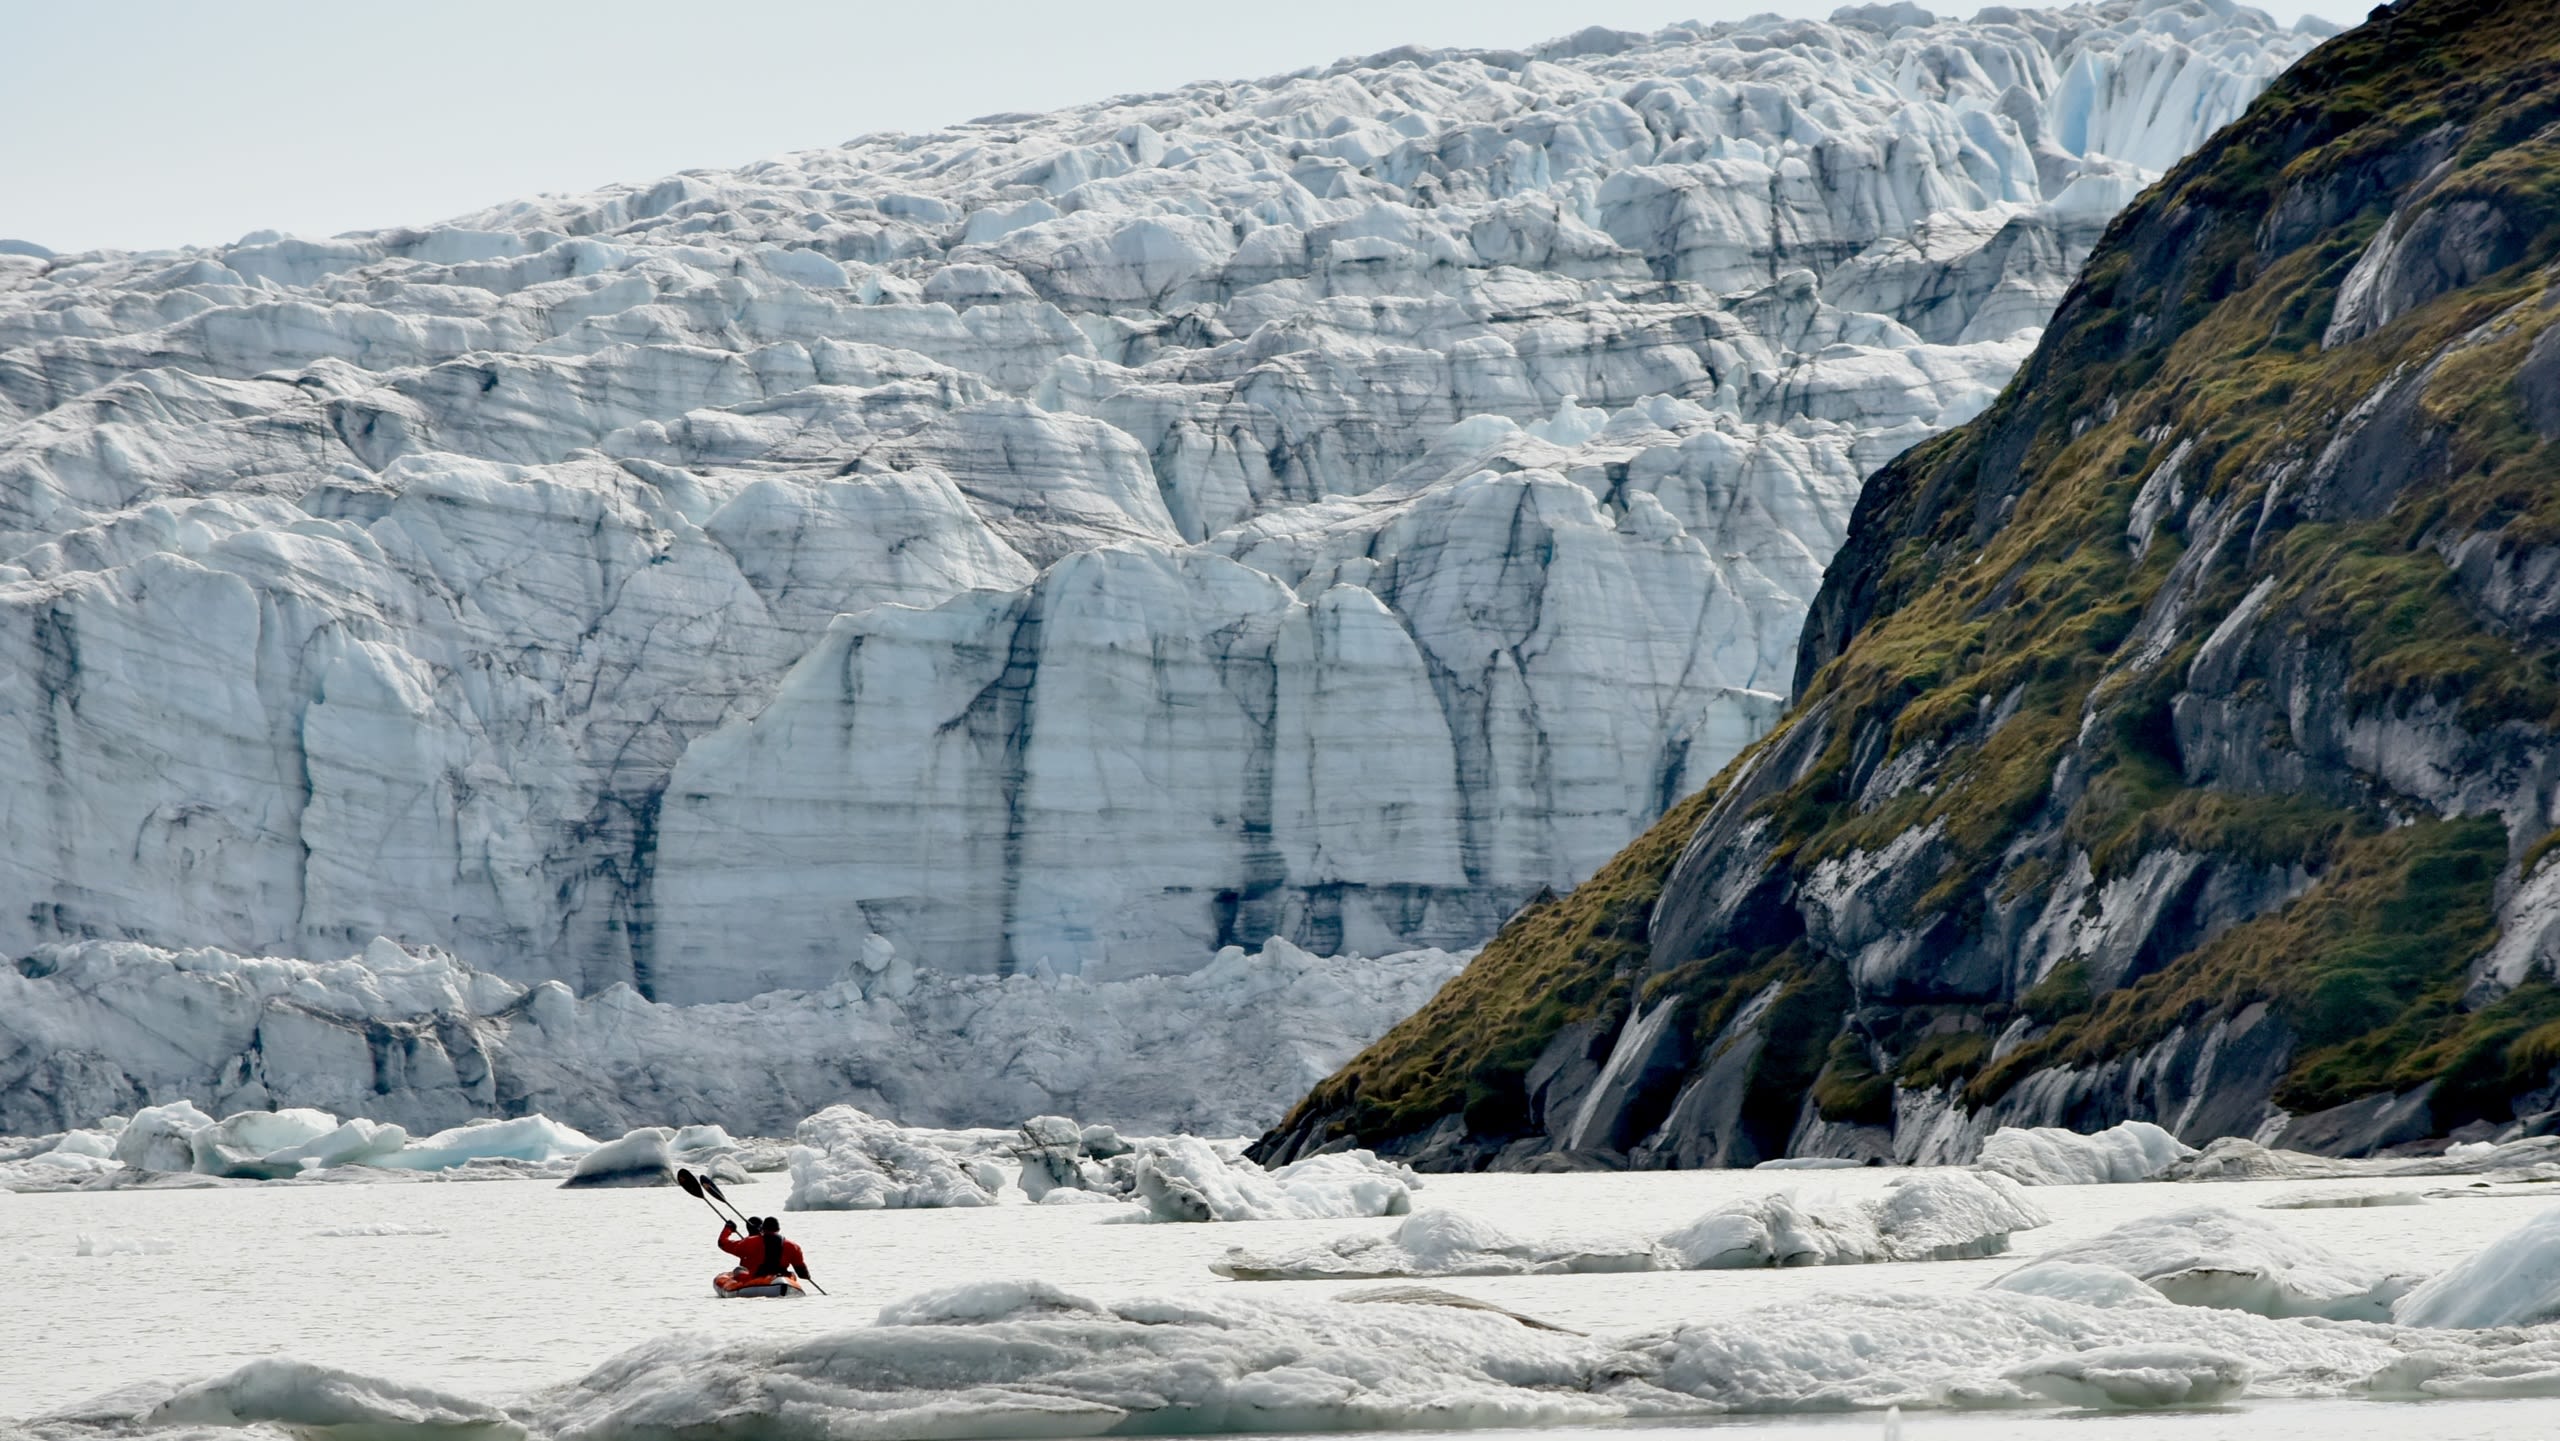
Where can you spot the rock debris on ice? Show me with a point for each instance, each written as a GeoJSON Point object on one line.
{"type": "Point", "coordinates": [1372, 492]}
{"type": "Point", "coordinates": [423, 1042]}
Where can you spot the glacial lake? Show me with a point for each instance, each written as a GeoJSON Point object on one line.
{"type": "Point", "coordinates": [493, 1290]}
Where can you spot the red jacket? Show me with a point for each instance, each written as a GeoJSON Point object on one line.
{"type": "Point", "coordinates": [750, 1252]}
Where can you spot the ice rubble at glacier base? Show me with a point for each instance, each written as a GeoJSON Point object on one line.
{"type": "Point", "coordinates": [423, 1041]}
{"type": "Point", "coordinates": [1429, 458]}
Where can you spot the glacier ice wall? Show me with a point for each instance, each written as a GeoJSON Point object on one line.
{"type": "Point", "coordinates": [1337, 505]}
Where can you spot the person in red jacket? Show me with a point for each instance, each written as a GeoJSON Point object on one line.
{"type": "Point", "coordinates": [762, 1251]}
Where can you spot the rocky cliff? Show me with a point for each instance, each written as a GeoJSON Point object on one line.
{"type": "Point", "coordinates": [1336, 506]}
{"type": "Point", "coordinates": [2179, 740]}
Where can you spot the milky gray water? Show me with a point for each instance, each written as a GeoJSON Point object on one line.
{"type": "Point", "coordinates": [503, 1287]}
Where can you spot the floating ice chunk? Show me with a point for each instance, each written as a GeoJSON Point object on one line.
{"type": "Point", "coordinates": [1437, 1243]}
{"type": "Point", "coordinates": [87, 1245]}
{"type": "Point", "coordinates": [321, 1402]}
{"type": "Point", "coordinates": [1780, 1230]}
{"type": "Point", "coordinates": [381, 1228]}
{"type": "Point", "coordinates": [1184, 1179]}
{"type": "Point", "coordinates": [1024, 1359]}
{"type": "Point", "coordinates": [2347, 1201]}
{"type": "Point", "coordinates": [98, 1144]}
{"type": "Point", "coordinates": [161, 1138]}
{"type": "Point", "coordinates": [536, 1139]}
{"type": "Point", "coordinates": [1930, 1216]}
{"type": "Point", "coordinates": [1811, 1163]}
{"type": "Point", "coordinates": [2210, 1256]}
{"type": "Point", "coordinates": [640, 1158]}
{"type": "Point", "coordinates": [2512, 1281]}
{"type": "Point", "coordinates": [2051, 1156]}
{"type": "Point", "coordinates": [848, 1160]}
{"type": "Point", "coordinates": [241, 1144]}
{"type": "Point", "coordinates": [2137, 1377]}
{"type": "Point", "coordinates": [355, 1143]}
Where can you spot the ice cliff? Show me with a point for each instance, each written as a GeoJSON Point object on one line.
{"type": "Point", "coordinates": [2178, 742]}
{"type": "Point", "coordinates": [1336, 506]}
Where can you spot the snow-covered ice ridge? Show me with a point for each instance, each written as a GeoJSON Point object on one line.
{"type": "Point", "coordinates": [102, 1027]}
{"type": "Point", "coordinates": [1334, 506]}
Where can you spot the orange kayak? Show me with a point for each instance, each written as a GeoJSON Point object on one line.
{"type": "Point", "coordinates": [730, 1283]}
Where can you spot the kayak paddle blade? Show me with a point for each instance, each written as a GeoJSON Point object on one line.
{"type": "Point", "coordinates": [691, 1186]}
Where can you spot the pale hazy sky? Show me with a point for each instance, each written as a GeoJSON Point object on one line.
{"type": "Point", "coordinates": [168, 122]}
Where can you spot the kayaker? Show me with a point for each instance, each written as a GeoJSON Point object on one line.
{"type": "Point", "coordinates": [761, 1251]}
{"type": "Point", "coordinates": [782, 1255]}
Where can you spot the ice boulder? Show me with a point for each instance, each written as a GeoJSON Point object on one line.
{"type": "Point", "coordinates": [1183, 1178]}
{"type": "Point", "coordinates": [258, 1145]}
{"type": "Point", "coordinates": [2513, 1281]}
{"type": "Point", "coordinates": [162, 1138]}
{"type": "Point", "coordinates": [640, 1158]}
{"type": "Point", "coordinates": [1433, 1242]}
{"type": "Point", "coordinates": [1928, 1216]}
{"type": "Point", "coordinates": [849, 1160]}
{"type": "Point", "coordinates": [532, 1140]}
{"type": "Point", "coordinates": [2211, 1256]}
{"type": "Point", "coordinates": [2051, 1156]}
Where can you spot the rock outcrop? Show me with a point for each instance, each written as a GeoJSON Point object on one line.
{"type": "Point", "coordinates": [1337, 506]}
{"type": "Point", "coordinates": [2177, 742]}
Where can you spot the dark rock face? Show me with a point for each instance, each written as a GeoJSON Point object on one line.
{"type": "Point", "coordinates": [2179, 741]}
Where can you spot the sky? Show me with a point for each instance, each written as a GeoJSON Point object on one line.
{"type": "Point", "coordinates": [173, 122]}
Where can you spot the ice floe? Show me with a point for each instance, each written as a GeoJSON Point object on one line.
{"type": "Point", "coordinates": [2051, 1156]}
{"type": "Point", "coordinates": [2216, 1257]}
{"type": "Point", "coordinates": [1028, 1359]}
{"type": "Point", "coordinates": [2513, 1281]}
{"type": "Point", "coordinates": [1931, 1216]}
{"type": "Point", "coordinates": [1434, 1242]}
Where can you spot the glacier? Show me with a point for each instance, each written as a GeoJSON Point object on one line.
{"type": "Point", "coordinates": [1335, 506]}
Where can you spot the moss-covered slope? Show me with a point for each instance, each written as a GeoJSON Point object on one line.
{"type": "Point", "coordinates": [2175, 741]}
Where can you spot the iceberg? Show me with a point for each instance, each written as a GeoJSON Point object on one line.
{"type": "Point", "coordinates": [2051, 1156]}
{"type": "Point", "coordinates": [2513, 1281]}
{"type": "Point", "coordinates": [847, 1160]}
{"type": "Point", "coordinates": [643, 1157]}
{"type": "Point", "coordinates": [1183, 1178]}
{"type": "Point", "coordinates": [527, 1140]}
{"type": "Point", "coordinates": [2212, 1256]}
{"type": "Point", "coordinates": [2136, 1377]}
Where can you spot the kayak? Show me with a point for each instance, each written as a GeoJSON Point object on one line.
{"type": "Point", "coordinates": [730, 1283]}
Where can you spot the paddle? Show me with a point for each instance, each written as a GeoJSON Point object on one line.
{"type": "Point", "coordinates": [708, 1192]}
